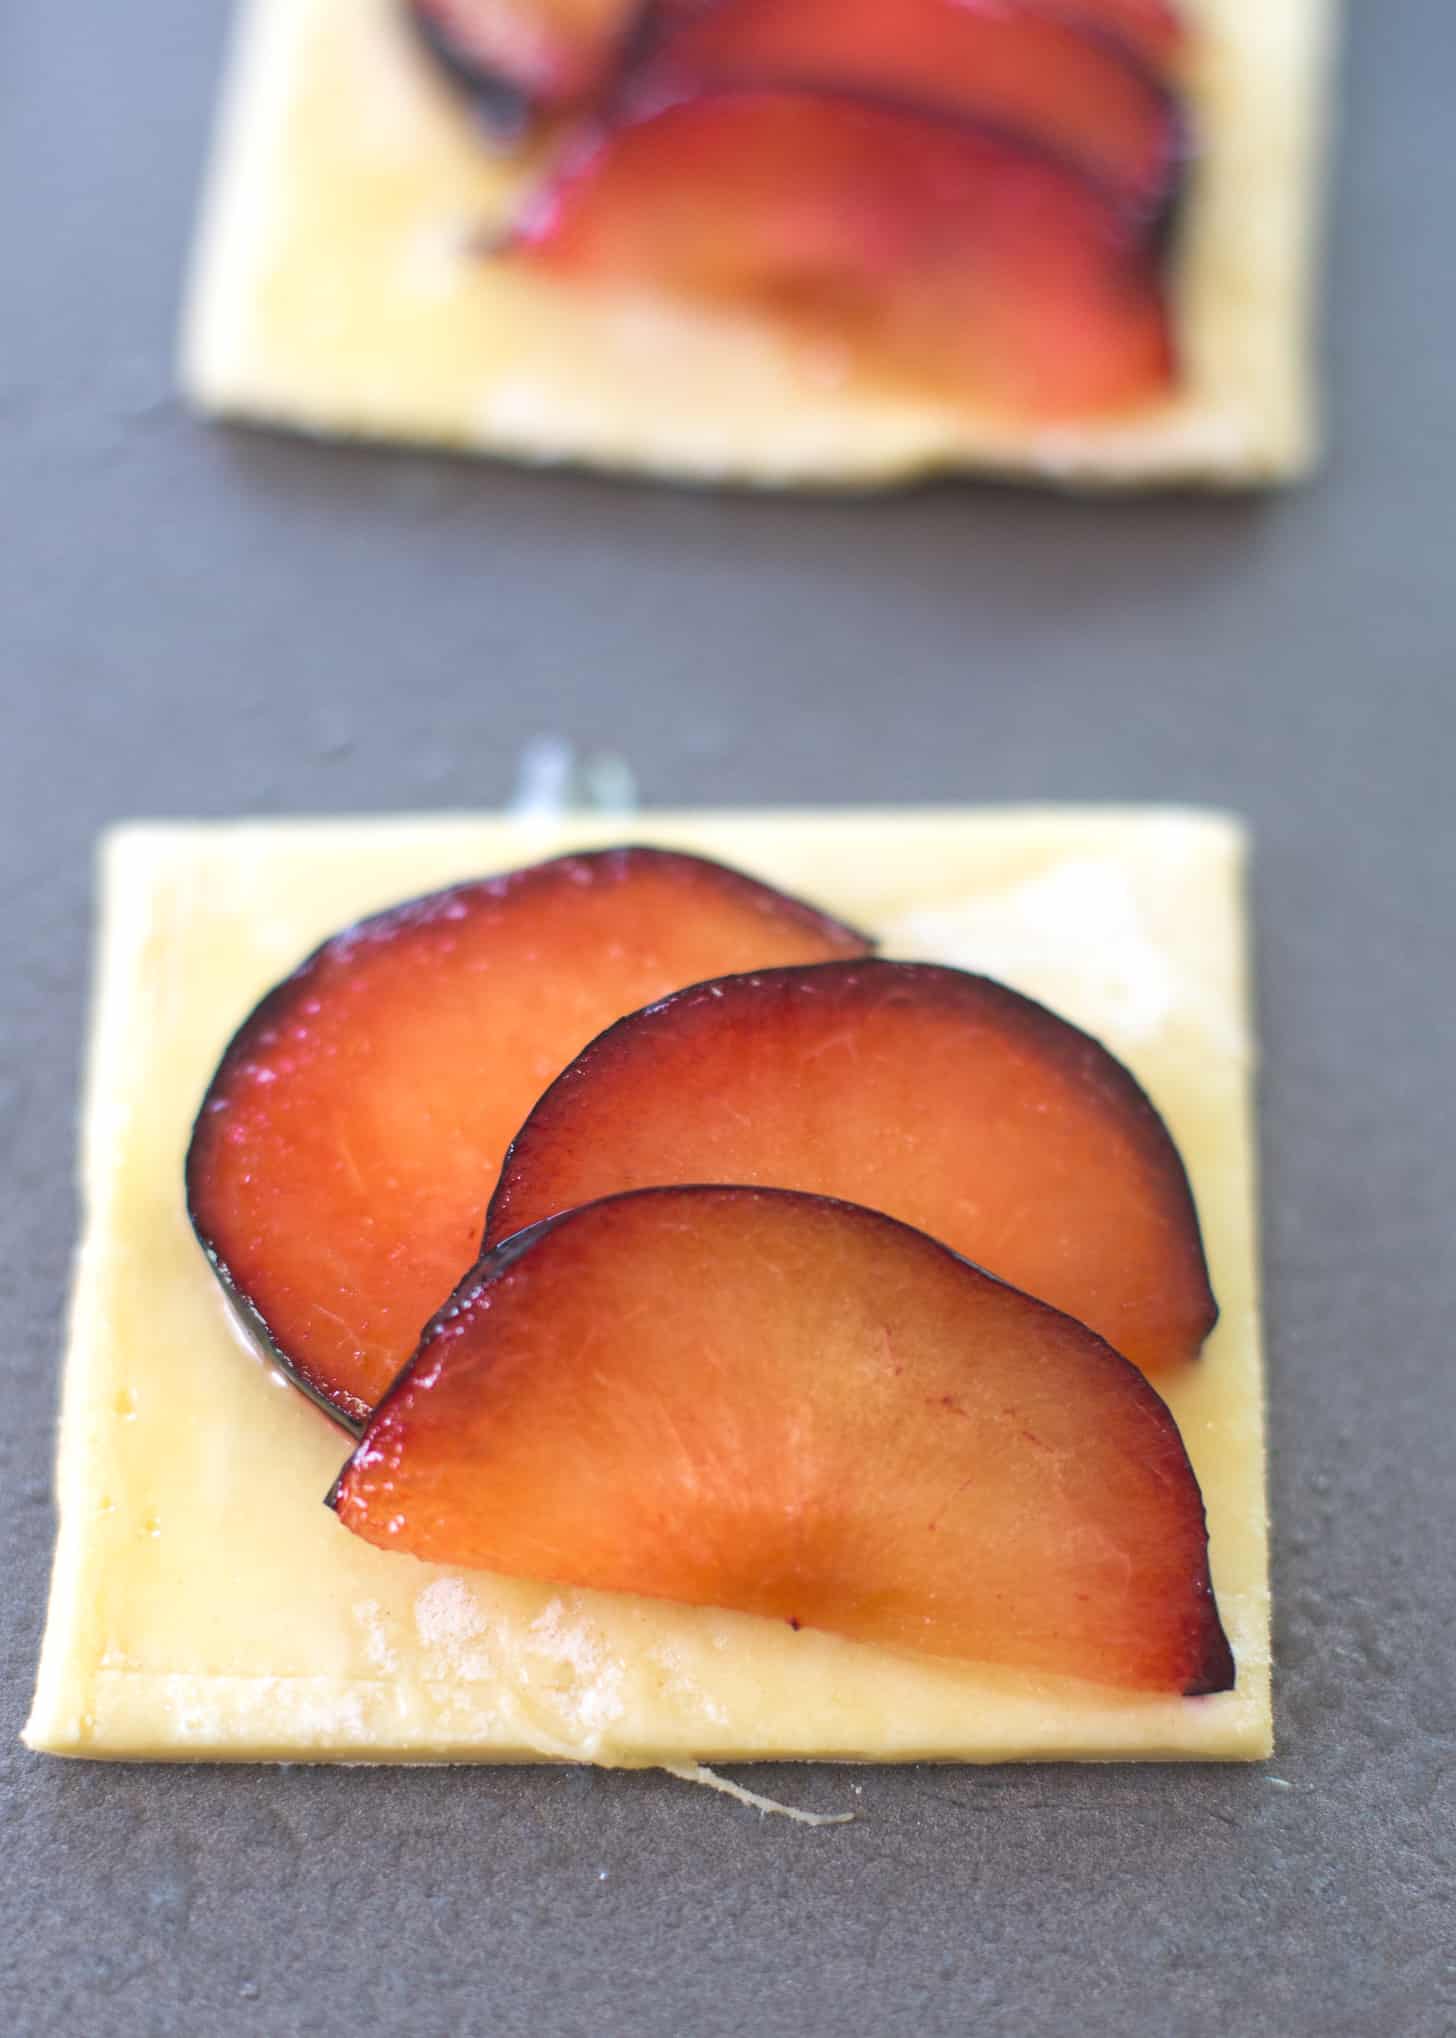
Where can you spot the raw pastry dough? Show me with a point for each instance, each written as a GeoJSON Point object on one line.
{"type": "Point", "coordinates": [206, 1604]}
{"type": "Point", "coordinates": [332, 290]}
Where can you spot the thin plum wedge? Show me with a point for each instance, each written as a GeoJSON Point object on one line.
{"type": "Point", "coordinates": [1077, 90]}
{"type": "Point", "coordinates": [347, 1144]}
{"type": "Point", "coordinates": [918, 246]}
{"type": "Point", "coordinates": [943, 1098]}
{"type": "Point", "coordinates": [792, 1407]}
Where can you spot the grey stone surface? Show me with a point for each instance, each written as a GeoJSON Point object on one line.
{"type": "Point", "coordinates": [202, 622]}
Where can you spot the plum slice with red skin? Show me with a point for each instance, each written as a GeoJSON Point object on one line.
{"type": "Point", "coordinates": [349, 1140]}
{"type": "Point", "coordinates": [520, 56]}
{"type": "Point", "coordinates": [523, 57]}
{"type": "Point", "coordinates": [794, 1407]}
{"type": "Point", "coordinates": [940, 1097]}
{"type": "Point", "coordinates": [1082, 93]}
{"type": "Point", "coordinates": [922, 246]}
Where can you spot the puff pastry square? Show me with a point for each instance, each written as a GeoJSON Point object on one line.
{"type": "Point", "coordinates": [333, 290]}
{"type": "Point", "coordinates": [206, 1605]}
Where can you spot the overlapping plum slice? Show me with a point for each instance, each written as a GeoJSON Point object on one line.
{"type": "Point", "coordinates": [1077, 73]}
{"type": "Point", "coordinates": [348, 1142]}
{"type": "Point", "coordinates": [1041, 72]}
{"type": "Point", "coordinates": [797, 1408]}
{"type": "Point", "coordinates": [929, 247]}
{"type": "Point", "coordinates": [518, 56]}
{"type": "Point", "coordinates": [551, 55]}
{"type": "Point", "coordinates": [943, 1098]}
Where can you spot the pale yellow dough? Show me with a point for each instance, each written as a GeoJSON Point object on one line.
{"type": "Point", "coordinates": [206, 1604]}
{"type": "Point", "coordinates": [332, 291]}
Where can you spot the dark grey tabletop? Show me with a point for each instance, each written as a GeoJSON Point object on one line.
{"type": "Point", "coordinates": [203, 622]}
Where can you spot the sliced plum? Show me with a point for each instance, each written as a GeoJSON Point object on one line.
{"type": "Point", "coordinates": [1082, 93]}
{"type": "Point", "coordinates": [928, 247]}
{"type": "Point", "coordinates": [342, 1159]}
{"type": "Point", "coordinates": [943, 1098]}
{"type": "Point", "coordinates": [521, 60]}
{"type": "Point", "coordinates": [795, 1408]}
